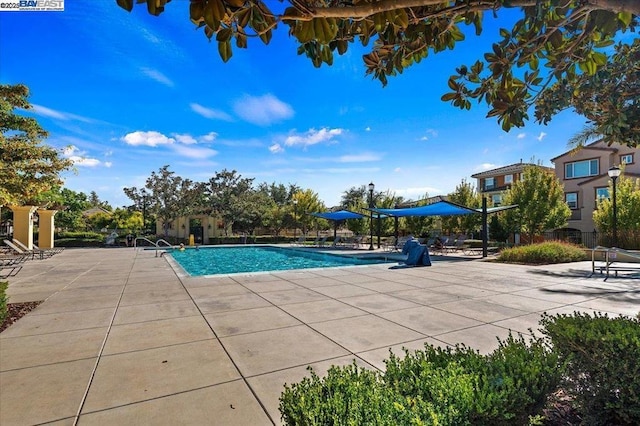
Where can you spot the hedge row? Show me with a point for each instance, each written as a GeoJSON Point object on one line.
{"type": "Point", "coordinates": [595, 360]}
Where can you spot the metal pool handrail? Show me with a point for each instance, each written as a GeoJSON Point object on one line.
{"type": "Point", "coordinates": [156, 244]}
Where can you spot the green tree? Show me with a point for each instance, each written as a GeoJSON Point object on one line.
{"type": "Point", "coordinates": [466, 195]}
{"type": "Point", "coordinates": [73, 204]}
{"type": "Point", "coordinates": [540, 200]}
{"type": "Point", "coordinates": [226, 195]}
{"type": "Point", "coordinates": [166, 196]}
{"type": "Point", "coordinates": [568, 39]}
{"type": "Point", "coordinates": [308, 202]}
{"type": "Point", "coordinates": [627, 208]}
{"type": "Point", "coordinates": [28, 167]}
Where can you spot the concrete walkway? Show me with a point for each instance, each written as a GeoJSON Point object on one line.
{"type": "Point", "coordinates": [122, 339]}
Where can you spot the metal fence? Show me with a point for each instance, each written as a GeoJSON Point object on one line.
{"type": "Point", "coordinates": [626, 239]}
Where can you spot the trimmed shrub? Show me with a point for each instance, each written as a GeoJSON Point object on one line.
{"type": "Point", "coordinates": [543, 253]}
{"type": "Point", "coordinates": [602, 355]}
{"type": "Point", "coordinates": [431, 387]}
{"type": "Point", "coordinates": [3, 300]}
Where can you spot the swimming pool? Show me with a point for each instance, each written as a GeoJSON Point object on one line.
{"type": "Point", "coordinates": [232, 260]}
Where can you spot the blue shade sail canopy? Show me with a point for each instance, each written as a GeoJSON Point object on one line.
{"type": "Point", "coordinates": [339, 215]}
{"type": "Point", "coordinates": [440, 208]}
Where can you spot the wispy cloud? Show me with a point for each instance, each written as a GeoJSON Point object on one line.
{"type": "Point", "coordinates": [210, 112]}
{"type": "Point", "coordinates": [79, 158]}
{"type": "Point", "coordinates": [312, 137]}
{"type": "Point", "coordinates": [181, 143]}
{"type": "Point", "coordinates": [276, 148]}
{"type": "Point", "coordinates": [359, 158]}
{"type": "Point", "coordinates": [521, 135]}
{"type": "Point", "coordinates": [541, 136]}
{"type": "Point", "coordinates": [60, 115]}
{"type": "Point", "coordinates": [262, 110]}
{"type": "Point", "coordinates": [157, 76]}
{"type": "Point", "coordinates": [429, 134]}
{"type": "Point", "coordinates": [415, 193]}
{"type": "Point", "coordinates": [484, 166]}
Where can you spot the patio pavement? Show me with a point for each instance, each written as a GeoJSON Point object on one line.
{"type": "Point", "coordinates": [123, 339]}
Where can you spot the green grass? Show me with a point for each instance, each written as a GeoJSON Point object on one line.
{"type": "Point", "coordinates": [543, 253]}
{"type": "Point", "coordinates": [3, 301]}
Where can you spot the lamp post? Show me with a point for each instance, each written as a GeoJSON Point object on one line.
{"type": "Point", "coordinates": [371, 188]}
{"type": "Point", "coordinates": [295, 218]}
{"type": "Point", "coordinates": [614, 172]}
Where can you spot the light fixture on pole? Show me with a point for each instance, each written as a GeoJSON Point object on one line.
{"type": "Point", "coordinates": [614, 173]}
{"type": "Point", "coordinates": [295, 218]}
{"type": "Point", "coordinates": [371, 188]}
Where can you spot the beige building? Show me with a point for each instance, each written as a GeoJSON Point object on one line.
{"type": "Point", "coordinates": [492, 183]}
{"type": "Point", "coordinates": [585, 178]}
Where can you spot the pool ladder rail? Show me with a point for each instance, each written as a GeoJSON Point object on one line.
{"type": "Point", "coordinates": [156, 244]}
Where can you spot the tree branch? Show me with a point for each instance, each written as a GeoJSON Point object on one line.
{"type": "Point", "coordinates": [367, 9]}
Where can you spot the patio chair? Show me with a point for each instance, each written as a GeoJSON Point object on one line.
{"type": "Point", "coordinates": [18, 250]}
{"type": "Point", "coordinates": [322, 242]}
{"type": "Point", "coordinates": [300, 241]}
{"type": "Point", "coordinates": [35, 250]}
{"type": "Point", "coordinates": [337, 242]}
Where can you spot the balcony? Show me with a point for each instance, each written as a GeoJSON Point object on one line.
{"type": "Point", "coordinates": [576, 215]}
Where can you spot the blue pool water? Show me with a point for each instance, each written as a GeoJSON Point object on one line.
{"type": "Point", "coordinates": [231, 260]}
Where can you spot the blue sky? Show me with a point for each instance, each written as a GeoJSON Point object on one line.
{"type": "Point", "coordinates": [127, 93]}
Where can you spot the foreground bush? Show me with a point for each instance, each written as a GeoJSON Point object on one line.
{"type": "Point", "coordinates": [543, 253]}
{"type": "Point", "coordinates": [603, 365]}
{"type": "Point", "coordinates": [431, 387]}
{"type": "Point", "coordinates": [3, 301]}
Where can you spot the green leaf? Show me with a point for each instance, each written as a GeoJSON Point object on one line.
{"type": "Point", "coordinates": [448, 97]}
{"type": "Point", "coordinates": [224, 35]}
{"type": "Point", "coordinates": [625, 18]}
{"type": "Point", "coordinates": [224, 49]}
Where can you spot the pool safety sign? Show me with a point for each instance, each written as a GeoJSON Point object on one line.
{"type": "Point", "coordinates": [32, 6]}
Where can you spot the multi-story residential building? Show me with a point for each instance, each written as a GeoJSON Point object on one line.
{"type": "Point", "coordinates": [584, 175]}
{"type": "Point", "coordinates": [492, 183]}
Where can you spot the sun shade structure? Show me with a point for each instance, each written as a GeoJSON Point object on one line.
{"type": "Point", "coordinates": [339, 215]}
{"type": "Point", "coordinates": [440, 208]}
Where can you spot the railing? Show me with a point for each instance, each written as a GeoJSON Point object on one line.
{"type": "Point", "coordinates": [156, 244]}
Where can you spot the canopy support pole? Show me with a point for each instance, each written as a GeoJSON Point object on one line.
{"type": "Point", "coordinates": [485, 228]}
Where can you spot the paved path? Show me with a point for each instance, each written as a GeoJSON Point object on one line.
{"type": "Point", "coordinates": [122, 339]}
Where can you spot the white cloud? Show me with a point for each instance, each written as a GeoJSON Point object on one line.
{"type": "Point", "coordinates": [367, 129]}
{"type": "Point", "coordinates": [276, 148]}
{"type": "Point", "coordinates": [209, 112]}
{"type": "Point", "coordinates": [181, 144]}
{"type": "Point", "coordinates": [541, 136]}
{"type": "Point", "coordinates": [79, 159]}
{"type": "Point", "coordinates": [194, 152]}
{"type": "Point", "coordinates": [485, 166]}
{"type": "Point", "coordinates": [108, 164]}
{"type": "Point", "coordinates": [60, 115]}
{"type": "Point", "coordinates": [151, 138]}
{"type": "Point", "coordinates": [312, 137]}
{"type": "Point", "coordinates": [424, 138]}
{"type": "Point", "coordinates": [185, 139]}
{"type": "Point", "coordinates": [359, 158]}
{"type": "Point", "coordinates": [415, 193]}
{"type": "Point", "coordinates": [262, 110]}
{"type": "Point", "coordinates": [430, 133]}
{"type": "Point", "coordinates": [157, 76]}
{"type": "Point", "coordinates": [397, 169]}
{"type": "Point", "coordinates": [209, 137]}
{"type": "Point", "coordinates": [521, 135]}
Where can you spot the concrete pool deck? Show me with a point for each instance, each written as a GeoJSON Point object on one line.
{"type": "Point", "coordinates": [122, 339]}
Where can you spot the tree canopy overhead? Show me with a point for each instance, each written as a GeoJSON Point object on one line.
{"type": "Point", "coordinates": [556, 43]}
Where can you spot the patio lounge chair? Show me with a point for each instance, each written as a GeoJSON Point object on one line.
{"type": "Point", "coordinates": [17, 250]}
{"type": "Point", "coordinates": [300, 241]}
{"type": "Point", "coordinates": [35, 250]}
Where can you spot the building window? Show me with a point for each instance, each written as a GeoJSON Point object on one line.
{"type": "Point", "coordinates": [580, 169]}
{"type": "Point", "coordinates": [508, 179]}
{"type": "Point", "coordinates": [489, 183]}
{"type": "Point", "coordinates": [626, 159]}
{"type": "Point", "coordinates": [602, 193]}
{"type": "Point", "coordinates": [572, 200]}
{"type": "Point", "coordinates": [496, 199]}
